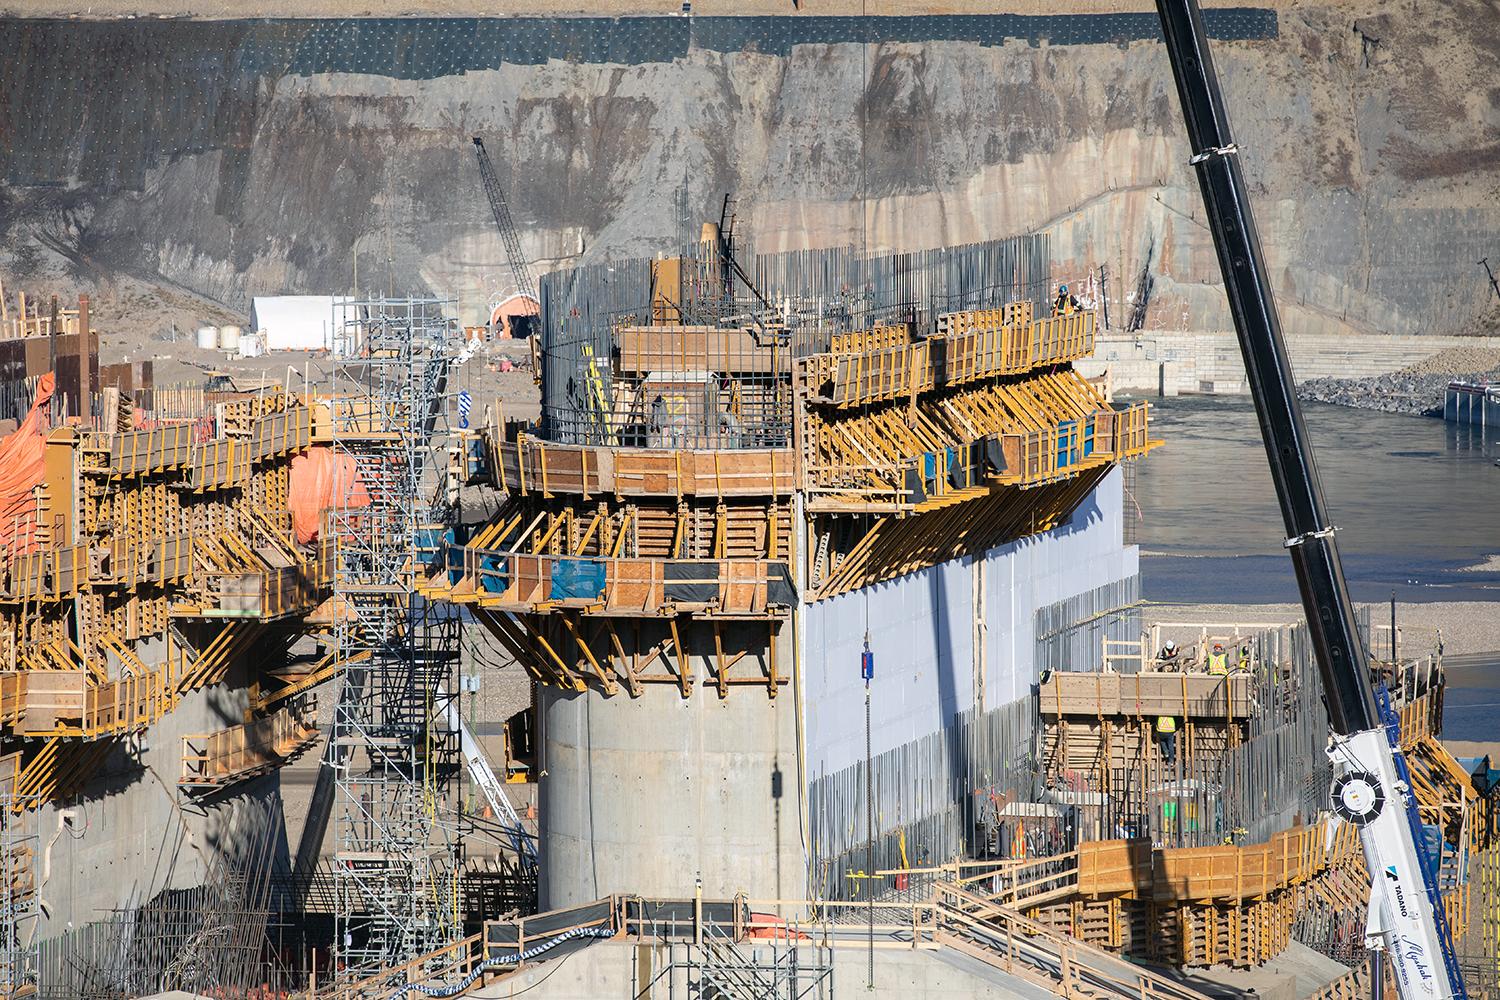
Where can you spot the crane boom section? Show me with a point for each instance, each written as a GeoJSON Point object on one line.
{"type": "Point", "coordinates": [520, 267]}
{"type": "Point", "coordinates": [1371, 790]}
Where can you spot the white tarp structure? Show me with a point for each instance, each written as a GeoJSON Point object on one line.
{"type": "Point", "coordinates": [295, 322]}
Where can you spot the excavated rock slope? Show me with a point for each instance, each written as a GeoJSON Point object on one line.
{"type": "Point", "coordinates": [232, 158]}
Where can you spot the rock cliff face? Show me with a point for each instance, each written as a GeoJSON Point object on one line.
{"type": "Point", "coordinates": [237, 158]}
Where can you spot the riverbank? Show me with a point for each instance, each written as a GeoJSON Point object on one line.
{"type": "Point", "coordinates": [1416, 389]}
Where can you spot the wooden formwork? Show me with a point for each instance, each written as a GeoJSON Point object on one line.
{"type": "Point", "coordinates": [644, 349]}
{"type": "Point", "coordinates": [1024, 433]}
{"type": "Point", "coordinates": [518, 582]}
{"type": "Point", "coordinates": [214, 760]}
{"type": "Point", "coordinates": [138, 523]}
{"type": "Point", "coordinates": [1187, 696]}
{"type": "Point", "coordinates": [888, 365]}
{"type": "Point", "coordinates": [530, 466]}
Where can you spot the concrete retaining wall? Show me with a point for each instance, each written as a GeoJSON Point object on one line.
{"type": "Point", "coordinates": [1168, 364]}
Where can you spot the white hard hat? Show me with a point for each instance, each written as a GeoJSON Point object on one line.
{"type": "Point", "coordinates": [1170, 646]}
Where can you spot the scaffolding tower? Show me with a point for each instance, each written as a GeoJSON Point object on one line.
{"type": "Point", "coordinates": [18, 899]}
{"type": "Point", "coordinates": [397, 839]}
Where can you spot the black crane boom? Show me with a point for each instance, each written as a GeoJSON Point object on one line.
{"type": "Point", "coordinates": [1320, 577]}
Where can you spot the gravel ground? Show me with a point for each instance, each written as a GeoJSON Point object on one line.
{"type": "Point", "coordinates": [1416, 389]}
{"type": "Point", "coordinates": [1466, 626]}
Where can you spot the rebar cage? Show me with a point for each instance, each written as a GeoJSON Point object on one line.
{"type": "Point", "coordinates": [696, 350]}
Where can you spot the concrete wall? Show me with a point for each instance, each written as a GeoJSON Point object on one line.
{"type": "Point", "coordinates": [1159, 362]}
{"type": "Point", "coordinates": [640, 795]}
{"type": "Point", "coordinates": [925, 628]}
{"type": "Point", "coordinates": [132, 833]}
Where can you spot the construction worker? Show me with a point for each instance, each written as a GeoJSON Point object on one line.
{"type": "Point", "coordinates": [1218, 661]}
{"type": "Point", "coordinates": [1066, 304]}
{"type": "Point", "coordinates": [1167, 658]}
{"type": "Point", "coordinates": [1243, 664]}
{"type": "Point", "coordinates": [1166, 736]}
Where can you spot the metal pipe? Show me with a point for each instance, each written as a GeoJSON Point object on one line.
{"type": "Point", "coordinates": [1309, 535]}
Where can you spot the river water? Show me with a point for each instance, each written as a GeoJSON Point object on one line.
{"type": "Point", "coordinates": [1417, 502]}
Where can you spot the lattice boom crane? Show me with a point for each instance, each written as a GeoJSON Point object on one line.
{"type": "Point", "coordinates": [520, 267]}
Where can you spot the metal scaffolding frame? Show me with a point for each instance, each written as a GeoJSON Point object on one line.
{"type": "Point", "coordinates": [18, 898]}
{"type": "Point", "coordinates": [397, 855]}
{"type": "Point", "coordinates": [711, 964]}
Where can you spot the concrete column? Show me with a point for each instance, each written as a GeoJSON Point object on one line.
{"type": "Point", "coordinates": [644, 795]}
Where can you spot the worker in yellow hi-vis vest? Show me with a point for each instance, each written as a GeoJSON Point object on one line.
{"type": "Point", "coordinates": [1066, 304]}
{"type": "Point", "coordinates": [1166, 735]}
{"type": "Point", "coordinates": [1218, 661]}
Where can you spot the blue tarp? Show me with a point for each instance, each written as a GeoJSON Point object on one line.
{"type": "Point", "coordinates": [1067, 443]}
{"type": "Point", "coordinates": [494, 573]}
{"type": "Point", "coordinates": [577, 578]}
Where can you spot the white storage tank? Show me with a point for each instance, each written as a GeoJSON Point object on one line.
{"type": "Point", "coordinates": [208, 338]}
{"type": "Point", "coordinates": [229, 338]}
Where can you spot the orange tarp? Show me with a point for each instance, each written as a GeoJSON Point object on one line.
{"type": "Point", "coordinates": [321, 480]}
{"type": "Point", "coordinates": [21, 470]}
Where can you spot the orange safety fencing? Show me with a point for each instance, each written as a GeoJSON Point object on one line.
{"type": "Point", "coordinates": [21, 471]}
{"type": "Point", "coordinates": [321, 480]}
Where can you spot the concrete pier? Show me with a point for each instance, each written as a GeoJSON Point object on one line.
{"type": "Point", "coordinates": [645, 795]}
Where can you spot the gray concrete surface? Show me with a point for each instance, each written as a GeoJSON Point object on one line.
{"type": "Point", "coordinates": [641, 795]}
{"type": "Point", "coordinates": [132, 833]}
{"type": "Point", "coordinates": [606, 969]}
{"type": "Point", "coordinates": [1170, 363]}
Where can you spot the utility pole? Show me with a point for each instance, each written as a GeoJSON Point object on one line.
{"type": "Point", "coordinates": [1495, 284]}
{"type": "Point", "coordinates": [1104, 293]}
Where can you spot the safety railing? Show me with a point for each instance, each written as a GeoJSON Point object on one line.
{"type": "Point", "coordinates": [1004, 939]}
{"type": "Point", "coordinates": [968, 346]}
{"type": "Point", "coordinates": [1131, 431]}
{"type": "Point", "coordinates": [133, 453]}
{"type": "Point", "coordinates": [277, 433]}
{"type": "Point", "coordinates": [515, 581]}
{"type": "Point", "coordinates": [530, 465]}
{"type": "Point", "coordinates": [454, 962]}
{"type": "Point", "coordinates": [1027, 458]}
{"type": "Point", "coordinates": [1062, 338]}
{"type": "Point", "coordinates": [219, 463]}
{"type": "Point", "coordinates": [45, 574]}
{"type": "Point", "coordinates": [1212, 696]}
